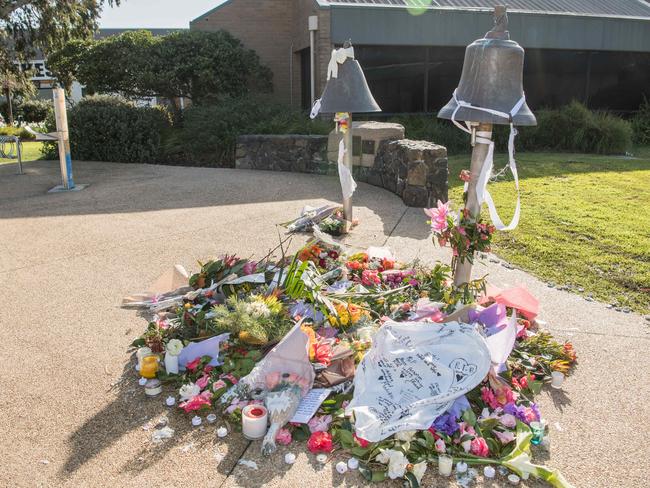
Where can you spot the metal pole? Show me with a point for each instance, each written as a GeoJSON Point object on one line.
{"type": "Point", "coordinates": [347, 160]}
{"type": "Point", "coordinates": [312, 68]}
{"type": "Point", "coordinates": [19, 155]}
{"type": "Point", "coordinates": [65, 160]}
{"type": "Point", "coordinates": [463, 271]}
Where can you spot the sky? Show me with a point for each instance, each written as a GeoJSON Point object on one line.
{"type": "Point", "coordinates": [155, 13]}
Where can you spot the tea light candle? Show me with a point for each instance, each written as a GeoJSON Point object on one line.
{"type": "Point", "coordinates": [211, 418]}
{"type": "Point", "coordinates": [142, 353]}
{"type": "Point", "coordinates": [196, 421]}
{"type": "Point", "coordinates": [289, 458]}
{"type": "Point", "coordinates": [254, 419]}
{"type": "Point", "coordinates": [513, 479]}
{"type": "Point", "coordinates": [557, 378]}
{"type": "Point", "coordinates": [341, 467]}
{"type": "Point", "coordinates": [537, 429]}
{"type": "Point", "coordinates": [353, 463]}
{"type": "Point", "coordinates": [461, 467]}
{"type": "Point", "coordinates": [321, 458]}
{"type": "Point", "coordinates": [142, 381]}
{"type": "Point", "coordinates": [222, 432]}
{"type": "Point", "coordinates": [489, 472]}
{"type": "Point", "coordinates": [152, 388]}
{"type": "Point", "coordinates": [170, 401]}
{"type": "Point", "coordinates": [445, 464]}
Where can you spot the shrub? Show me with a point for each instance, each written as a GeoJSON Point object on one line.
{"type": "Point", "coordinates": [641, 124]}
{"type": "Point", "coordinates": [35, 111]}
{"type": "Point", "coordinates": [209, 132]}
{"type": "Point", "coordinates": [15, 131]}
{"type": "Point", "coordinates": [109, 128]}
{"type": "Point", "coordinates": [430, 128]}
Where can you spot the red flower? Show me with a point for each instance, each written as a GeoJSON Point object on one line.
{"type": "Point", "coordinates": [192, 365]}
{"type": "Point", "coordinates": [435, 435]}
{"type": "Point", "coordinates": [322, 353]}
{"type": "Point", "coordinates": [465, 175]}
{"type": "Point", "coordinates": [197, 402]}
{"type": "Point", "coordinates": [207, 369]}
{"type": "Point", "coordinates": [320, 442]}
{"type": "Point", "coordinates": [360, 441]}
{"type": "Point", "coordinates": [479, 447]}
{"type": "Point", "coordinates": [387, 263]}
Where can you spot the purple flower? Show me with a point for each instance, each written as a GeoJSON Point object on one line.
{"type": "Point", "coordinates": [459, 406]}
{"type": "Point", "coordinates": [446, 424]}
{"type": "Point", "coordinates": [306, 311]}
{"type": "Point", "coordinates": [517, 411]}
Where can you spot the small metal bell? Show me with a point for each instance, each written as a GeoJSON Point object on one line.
{"type": "Point", "coordinates": [348, 92]}
{"type": "Point", "coordinates": [491, 78]}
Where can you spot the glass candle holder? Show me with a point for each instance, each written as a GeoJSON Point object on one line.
{"type": "Point", "coordinates": [445, 464]}
{"type": "Point", "coordinates": [557, 378]}
{"type": "Point", "coordinates": [149, 367]}
{"type": "Point", "coordinates": [538, 432]}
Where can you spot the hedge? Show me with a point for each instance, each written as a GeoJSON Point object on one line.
{"type": "Point", "coordinates": [28, 111]}
{"type": "Point", "coordinates": [109, 128]}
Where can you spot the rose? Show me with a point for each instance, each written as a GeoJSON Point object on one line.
{"type": "Point", "coordinates": [440, 446]}
{"type": "Point", "coordinates": [188, 391]}
{"type": "Point", "coordinates": [320, 442]}
{"type": "Point", "coordinates": [283, 437]}
{"type": "Point", "coordinates": [319, 423]}
{"type": "Point", "coordinates": [174, 347]}
{"type": "Point", "coordinates": [202, 382]}
{"type": "Point", "coordinates": [362, 442]}
{"type": "Point", "coordinates": [396, 460]}
{"type": "Point", "coordinates": [465, 175]}
{"type": "Point", "coordinates": [197, 402]}
{"type": "Point", "coordinates": [192, 365]}
{"type": "Point", "coordinates": [218, 385]}
{"type": "Point", "coordinates": [479, 447]}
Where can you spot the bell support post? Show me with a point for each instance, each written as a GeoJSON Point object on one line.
{"type": "Point", "coordinates": [347, 160]}
{"type": "Point", "coordinates": [463, 270]}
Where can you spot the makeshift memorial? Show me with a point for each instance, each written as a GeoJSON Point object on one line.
{"type": "Point", "coordinates": [334, 312]}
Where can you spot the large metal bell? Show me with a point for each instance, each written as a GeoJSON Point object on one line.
{"type": "Point", "coordinates": [348, 92]}
{"type": "Point", "coordinates": [491, 78]}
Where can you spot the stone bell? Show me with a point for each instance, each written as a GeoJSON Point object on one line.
{"type": "Point", "coordinates": [348, 91]}
{"type": "Point", "coordinates": [491, 78]}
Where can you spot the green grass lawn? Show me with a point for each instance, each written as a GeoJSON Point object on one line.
{"type": "Point", "coordinates": [31, 152]}
{"type": "Point", "coordinates": [585, 222]}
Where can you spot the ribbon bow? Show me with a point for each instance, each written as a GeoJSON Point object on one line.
{"type": "Point", "coordinates": [338, 57]}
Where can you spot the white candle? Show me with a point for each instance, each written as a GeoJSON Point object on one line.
{"type": "Point", "coordinates": [171, 363]}
{"type": "Point", "coordinates": [489, 472]}
{"type": "Point", "coordinates": [321, 458]}
{"type": "Point", "coordinates": [557, 378]}
{"type": "Point", "coordinates": [289, 458]}
{"type": "Point", "coordinates": [445, 464]}
{"type": "Point", "coordinates": [170, 401]}
{"type": "Point", "coordinates": [353, 463]}
{"type": "Point", "coordinates": [222, 432]}
{"type": "Point", "coordinates": [196, 421]}
{"type": "Point", "coordinates": [461, 467]}
{"type": "Point", "coordinates": [341, 467]}
{"type": "Point", "coordinates": [254, 419]}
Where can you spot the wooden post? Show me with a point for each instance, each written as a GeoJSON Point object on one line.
{"type": "Point", "coordinates": [65, 159]}
{"type": "Point", "coordinates": [347, 160]}
{"type": "Point", "coordinates": [463, 271]}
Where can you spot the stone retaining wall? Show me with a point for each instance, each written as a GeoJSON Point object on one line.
{"type": "Point", "coordinates": [415, 170]}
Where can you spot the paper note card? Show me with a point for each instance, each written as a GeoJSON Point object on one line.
{"type": "Point", "coordinates": [310, 404]}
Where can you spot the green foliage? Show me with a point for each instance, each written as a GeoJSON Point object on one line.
{"type": "Point", "coordinates": [209, 132]}
{"type": "Point", "coordinates": [192, 64]}
{"type": "Point", "coordinates": [108, 128]}
{"type": "Point", "coordinates": [29, 111]}
{"type": "Point", "coordinates": [571, 128]}
{"type": "Point", "coordinates": [641, 124]}
{"type": "Point", "coordinates": [15, 131]}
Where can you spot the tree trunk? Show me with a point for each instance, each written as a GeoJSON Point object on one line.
{"type": "Point", "coordinates": [10, 111]}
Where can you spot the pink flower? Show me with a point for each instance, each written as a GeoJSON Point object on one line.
{"type": "Point", "coordinates": [249, 267]}
{"type": "Point", "coordinates": [465, 175]}
{"type": "Point", "coordinates": [504, 437]}
{"type": "Point", "coordinates": [192, 365]}
{"type": "Point", "coordinates": [438, 216]}
{"type": "Point", "coordinates": [370, 277]}
{"type": "Point", "coordinates": [202, 382]}
{"type": "Point", "coordinates": [440, 446]}
{"type": "Point", "coordinates": [230, 377]}
{"type": "Point", "coordinates": [272, 380]}
{"type": "Point", "coordinates": [508, 420]}
{"type": "Point", "coordinates": [199, 401]}
{"type": "Point", "coordinates": [319, 423]}
{"type": "Point", "coordinates": [360, 441]}
{"type": "Point", "coordinates": [479, 447]}
{"type": "Point", "coordinates": [283, 437]}
{"type": "Point", "coordinates": [320, 442]}
{"type": "Point", "coordinates": [218, 385]}
{"type": "Point", "coordinates": [489, 397]}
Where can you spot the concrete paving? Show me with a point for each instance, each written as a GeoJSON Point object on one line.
{"type": "Point", "coordinates": [72, 412]}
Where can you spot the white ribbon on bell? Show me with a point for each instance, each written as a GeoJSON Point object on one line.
{"type": "Point", "coordinates": [348, 185]}
{"type": "Point", "coordinates": [482, 193]}
{"type": "Point", "coordinates": [338, 57]}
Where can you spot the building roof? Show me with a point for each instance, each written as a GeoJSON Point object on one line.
{"type": "Point", "coordinates": [597, 8]}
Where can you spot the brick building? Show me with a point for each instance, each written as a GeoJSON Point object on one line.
{"type": "Point", "coordinates": [595, 51]}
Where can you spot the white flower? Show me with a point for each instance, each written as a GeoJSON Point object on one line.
{"type": "Point", "coordinates": [174, 347]}
{"type": "Point", "coordinates": [405, 435]}
{"type": "Point", "coordinates": [396, 461]}
{"type": "Point", "coordinates": [418, 471]}
{"type": "Point", "coordinates": [188, 391]}
{"type": "Point", "coordinates": [440, 446]}
{"type": "Point", "coordinates": [258, 309]}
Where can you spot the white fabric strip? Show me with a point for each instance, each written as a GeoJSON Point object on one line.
{"type": "Point", "coordinates": [338, 57]}
{"type": "Point", "coordinates": [315, 109]}
{"type": "Point", "coordinates": [348, 185]}
{"type": "Point", "coordinates": [482, 193]}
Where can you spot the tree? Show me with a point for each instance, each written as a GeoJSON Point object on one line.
{"type": "Point", "coordinates": [187, 64]}
{"type": "Point", "coordinates": [27, 26]}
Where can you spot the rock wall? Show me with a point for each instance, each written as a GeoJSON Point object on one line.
{"type": "Point", "coordinates": [415, 170]}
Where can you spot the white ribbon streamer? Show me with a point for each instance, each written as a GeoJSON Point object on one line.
{"type": "Point", "coordinates": [338, 57]}
{"type": "Point", "coordinates": [348, 185]}
{"type": "Point", "coordinates": [482, 193]}
{"type": "Point", "coordinates": [315, 109]}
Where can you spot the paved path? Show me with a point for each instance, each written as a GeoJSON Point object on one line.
{"type": "Point", "coordinates": [72, 414]}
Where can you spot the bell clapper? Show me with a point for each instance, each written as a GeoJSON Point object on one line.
{"type": "Point", "coordinates": [463, 271]}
